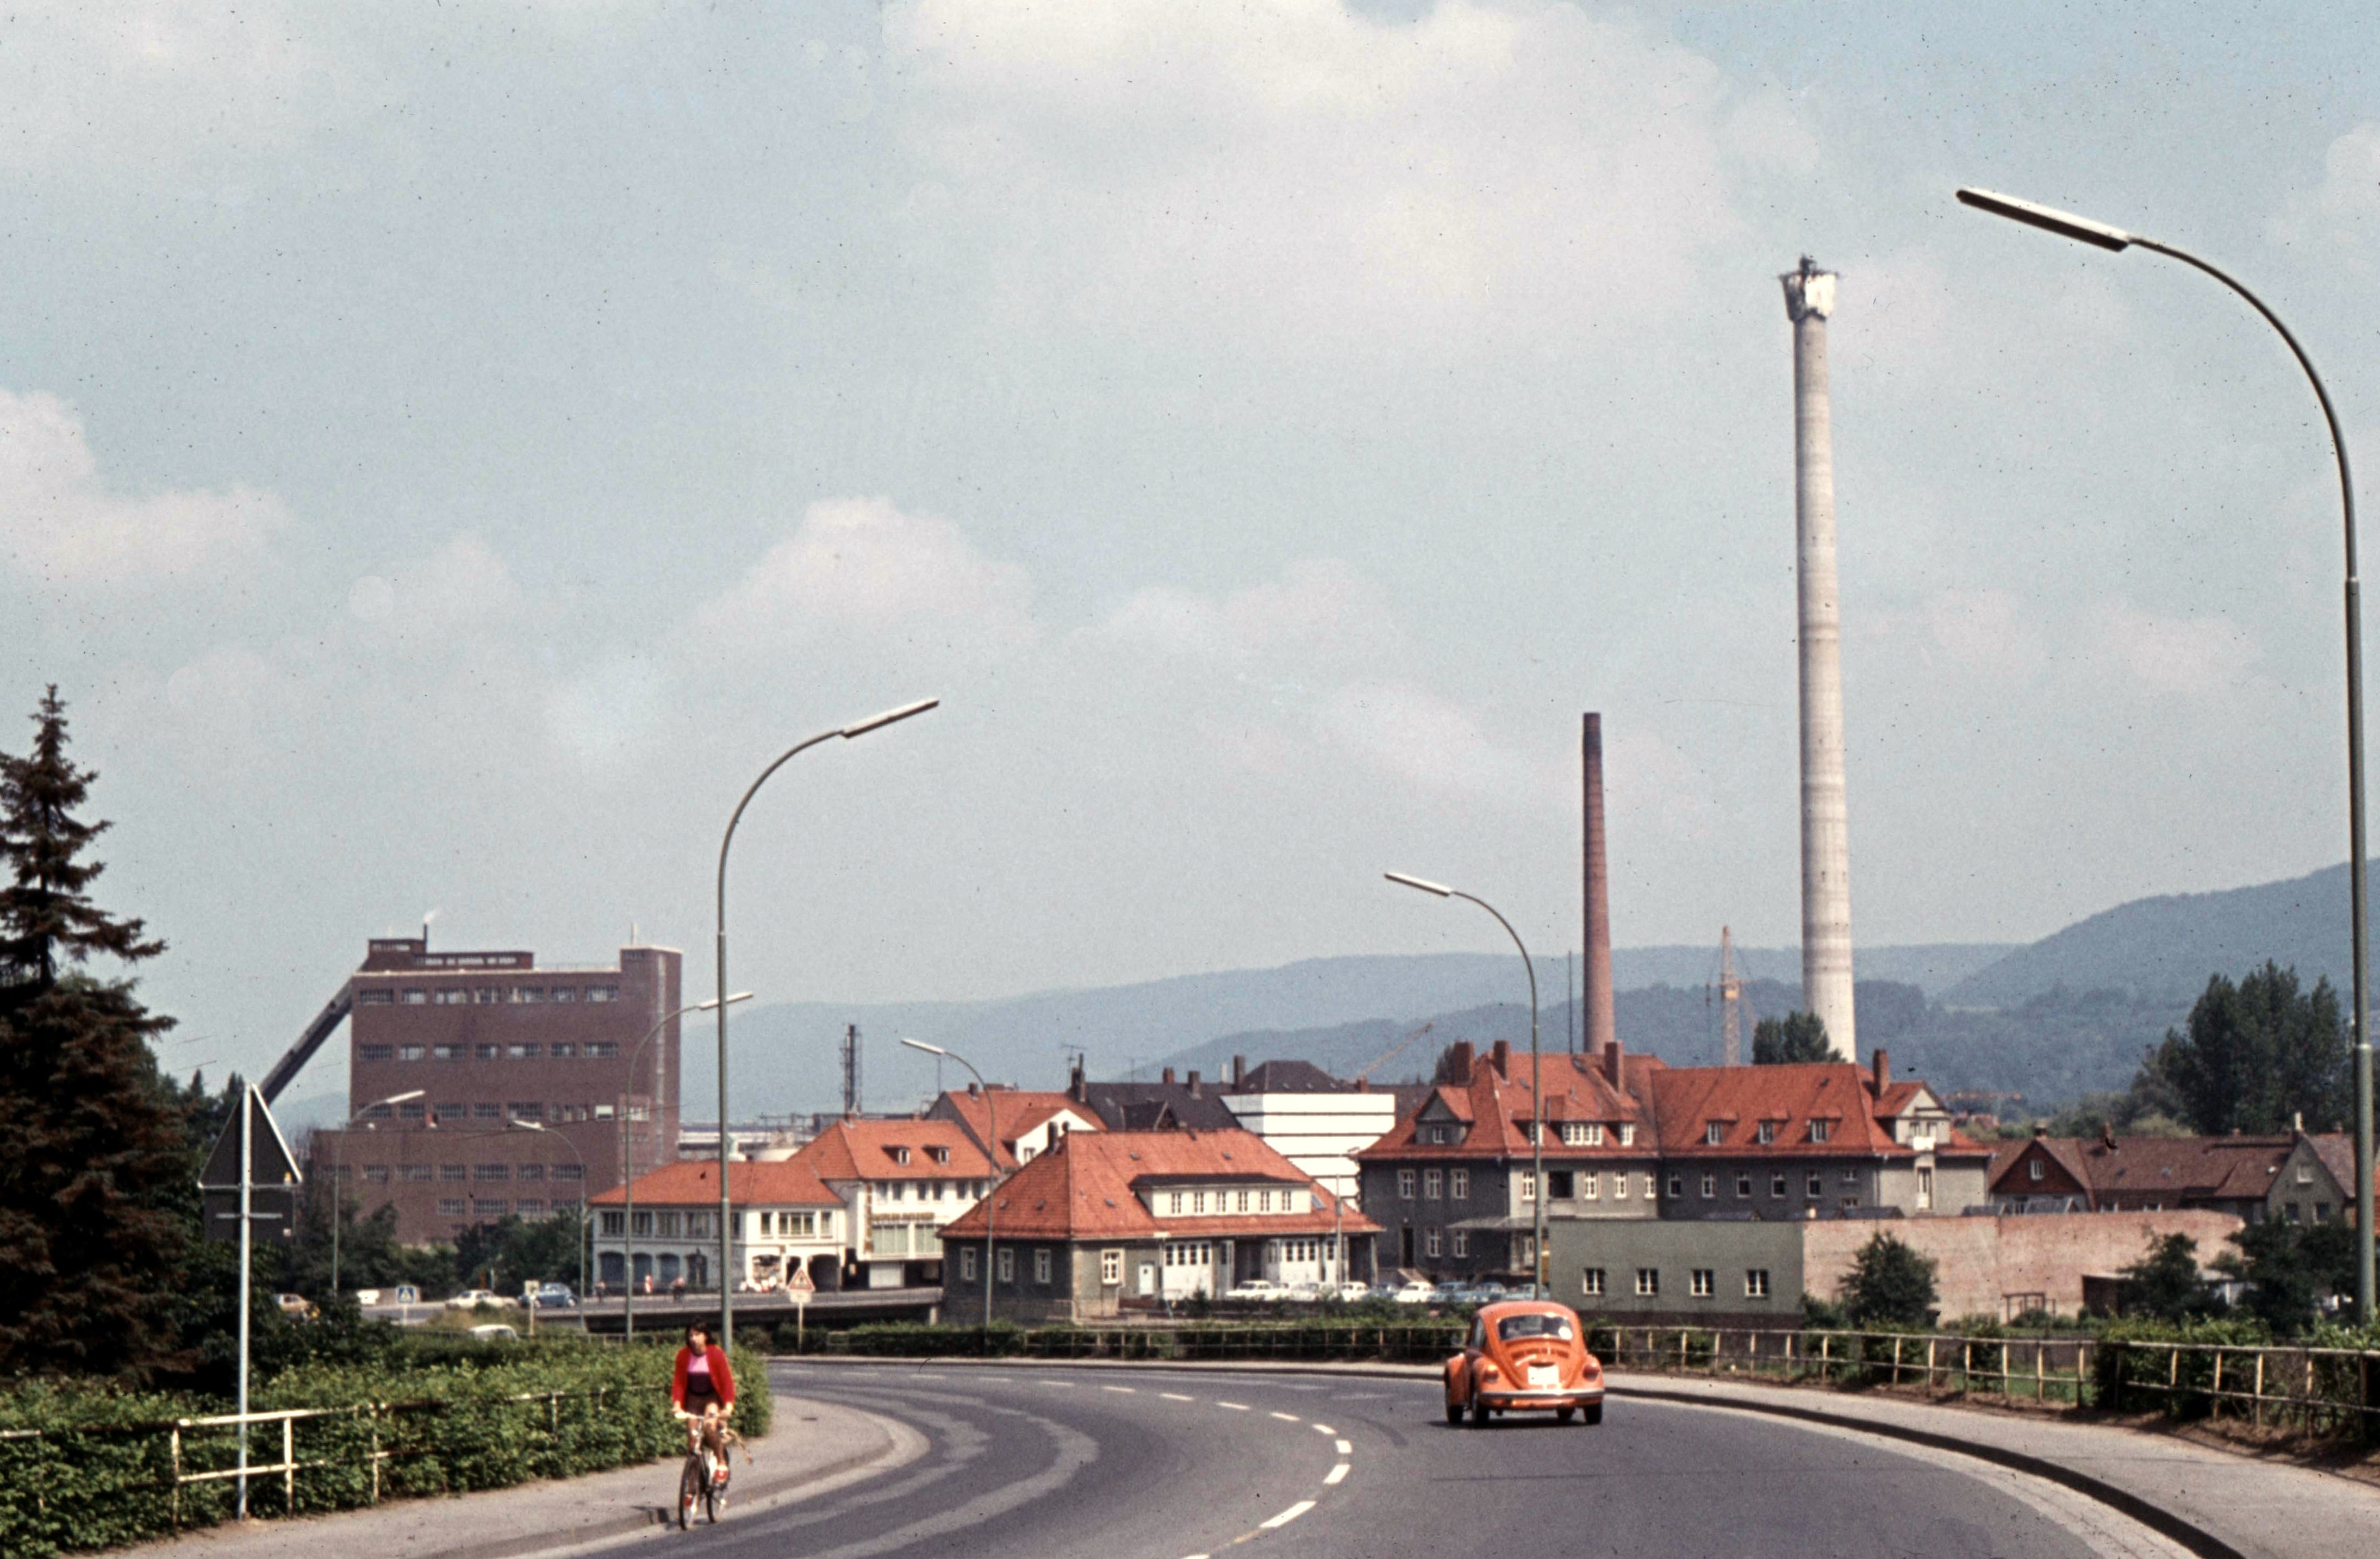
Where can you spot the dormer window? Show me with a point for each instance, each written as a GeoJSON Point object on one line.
{"type": "Point", "coordinates": [1713, 1133]}
{"type": "Point", "coordinates": [941, 1155]}
{"type": "Point", "coordinates": [1768, 1131]}
{"type": "Point", "coordinates": [2037, 1170]}
{"type": "Point", "coordinates": [1627, 1135]}
{"type": "Point", "coordinates": [1818, 1130]}
{"type": "Point", "coordinates": [900, 1156]}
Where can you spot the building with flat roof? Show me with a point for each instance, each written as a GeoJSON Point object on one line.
{"type": "Point", "coordinates": [525, 1102]}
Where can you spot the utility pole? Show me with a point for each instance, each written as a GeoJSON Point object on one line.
{"type": "Point", "coordinates": [1730, 1002]}
{"type": "Point", "coordinates": [851, 1069]}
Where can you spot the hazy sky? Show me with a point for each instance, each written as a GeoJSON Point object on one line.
{"type": "Point", "coordinates": [445, 451]}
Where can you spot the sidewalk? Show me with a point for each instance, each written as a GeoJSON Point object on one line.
{"type": "Point", "coordinates": [813, 1445]}
{"type": "Point", "coordinates": [2221, 1503]}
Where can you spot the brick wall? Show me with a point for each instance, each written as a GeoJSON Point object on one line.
{"type": "Point", "coordinates": [1981, 1263]}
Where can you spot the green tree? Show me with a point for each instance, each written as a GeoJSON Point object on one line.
{"type": "Point", "coordinates": [2292, 1269]}
{"type": "Point", "coordinates": [519, 1250]}
{"type": "Point", "coordinates": [2255, 1056]}
{"type": "Point", "coordinates": [1890, 1283]}
{"type": "Point", "coordinates": [94, 1160]}
{"type": "Point", "coordinates": [2166, 1282]}
{"type": "Point", "coordinates": [1797, 1036]}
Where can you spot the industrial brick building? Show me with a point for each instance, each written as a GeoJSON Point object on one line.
{"type": "Point", "coordinates": [525, 1104]}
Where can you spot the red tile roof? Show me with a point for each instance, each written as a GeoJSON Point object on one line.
{"type": "Point", "coordinates": [2337, 1151]}
{"type": "Point", "coordinates": [862, 1150]}
{"type": "Point", "coordinates": [1016, 1110]}
{"type": "Point", "coordinates": [1496, 1104]}
{"type": "Point", "coordinates": [695, 1183]}
{"type": "Point", "coordinates": [1088, 1188]}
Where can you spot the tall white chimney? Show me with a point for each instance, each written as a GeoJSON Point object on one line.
{"type": "Point", "coordinates": [1826, 821]}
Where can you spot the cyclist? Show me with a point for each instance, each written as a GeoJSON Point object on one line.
{"type": "Point", "coordinates": [702, 1390]}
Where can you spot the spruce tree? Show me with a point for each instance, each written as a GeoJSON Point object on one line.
{"type": "Point", "coordinates": [1797, 1037]}
{"type": "Point", "coordinates": [93, 1158]}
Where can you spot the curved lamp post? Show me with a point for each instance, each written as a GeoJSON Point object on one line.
{"type": "Point", "coordinates": [338, 1156]}
{"type": "Point", "coordinates": [727, 1213]}
{"type": "Point", "coordinates": [586, 1228]}
{"type": "Point", "coordinates": [627, 1159]}
{"type": "Point", "coordinates": [991, 1156]}
{"type": "Point", "coordinates": [2100, 234]}
{"type": "Point", "coordinates": [1536, 1079]}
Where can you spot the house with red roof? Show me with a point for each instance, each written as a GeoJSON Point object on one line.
{"type": "Point", "coordinates": [1027, 1122]}
{"type": "Point", "coordinates": [899, 1181]}
{"type": "Point", "coordinates": [786, 1219]}
{"type": "Point", "coordinates": [2298, 1176]}
{"type": "Point", "coordinates": [1107, 1220]}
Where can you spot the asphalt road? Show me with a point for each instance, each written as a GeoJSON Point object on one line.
{"type": "Point", "coordinates": [1082, 1464]}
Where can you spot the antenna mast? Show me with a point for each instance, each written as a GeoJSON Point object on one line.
{"type": "Point", "coordinates": [1730, 1002]}
{"type": "Point", "coordinates": [851, 1069]}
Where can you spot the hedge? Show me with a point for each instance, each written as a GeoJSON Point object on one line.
{"type": "Point", "coordinates": [82, 1467]}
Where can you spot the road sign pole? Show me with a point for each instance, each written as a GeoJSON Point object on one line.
{"type": "Point", "coordinates": [247, 1225]}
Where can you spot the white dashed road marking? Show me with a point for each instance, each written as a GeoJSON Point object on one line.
{"type": "Point", "coordinates": [1286, 1418]}
{"type": "Point", "coordinates": [1235, 1407]}
{"type": "Point", "coordinates": [1286, 1517]}
{"type": "Point", "coordinates": [1324, 1429]}
{"type": "Point", "coordinates": [1176, 1396]}
{"type": "Point", "coordinates": [1126, 1390]}
{"type": "Point", "coordinates": [1345, 1449]}
{"type": "Point", "coordinates": [1336, 1474]}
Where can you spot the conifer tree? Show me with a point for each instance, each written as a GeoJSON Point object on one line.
{"type": "Point", "coordinates": [94, 1159]}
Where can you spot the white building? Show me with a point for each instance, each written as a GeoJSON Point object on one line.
{"type": "Point", "coordinates": [785, 1217]}
{"type": "Point", "coordinates": [1311, 1118]}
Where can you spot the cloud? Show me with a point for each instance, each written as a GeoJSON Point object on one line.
{"type": "Point", "coordinates": [1432, 744]}
{"type": "Point", "coordinates": [2188, 656]}
{"type": "Point", "coordinates": [1293, 171]}
{"type": "Point", "coordinates": [862, 566]}
{"type": "Point", "coordinates": [1320, 608]}
{"type": "Point", "coordinates": [1984, 630]}
{"type": "Point", "coordinates": [2343, 213]}
{"type": "Point", "coordinates": [61, 523]}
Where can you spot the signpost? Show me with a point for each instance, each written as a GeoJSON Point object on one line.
{"type": "Point", "coordinates": [799, 1289]}
{"type": "Point", "coordinates": [407, 1296]}
{"type": "Point", "coordinates": [252, 1161]}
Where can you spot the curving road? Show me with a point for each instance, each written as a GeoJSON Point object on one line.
{"type": "Point", "coordinates": [1086, 1464]}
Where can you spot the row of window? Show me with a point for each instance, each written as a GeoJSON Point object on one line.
{"type": "Point", "coordinates": [1432, 1241]}
{"type": "Point", "coordinates": [499, 1207]}
{"type": "Point", "coordinates": [1194, 1201]}
{"type": "Point", "coordinates": [927, 1190]}
{"type": "Point", "coordinates": [485, 995]}
{"type": "Point", "coordinates": [560, 1050]}
{"type": "Point", "coordinates": [1814, 1183]}
{"type": "Point", "coordinates": [664, 1223]}
{"type": "Point", "coordinates": [382, 1174]}
{"type": "Point", "coordinates": [1561, 1185]}
{"type": "Point", "coordinates": [1572, 1133]}
{"type": "Point", "coordinates": [1715, 1131]}
{"type": "Point", "coordinates": [1004, 1266]}
{"type": "Point", "coordinates": [455, 1111]}
{"type": "Point", "coordinates": [1701, 1282]}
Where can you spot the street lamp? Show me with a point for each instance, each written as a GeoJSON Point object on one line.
{"type": "Point", "coordinates": [2066, 224]}
{"type": "Point", "coordinates": [587, 1231]}
{"type": "Point", "coordinates": [338, 1156]}
{"type": "Point", "coordinates": [1536, 1079]}
{"type": "Point", "coordinates": [627, 1159]}
{"type": "Point", "coordinates": [992, 1155]}
{"type": "Point", "coordinates": [726, 1213]}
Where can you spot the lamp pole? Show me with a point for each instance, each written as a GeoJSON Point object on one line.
{"type": "Point", "coordinates": [991, 1156]}
{"type": "Point", "coordinates": [585, 1230]}
{"type": "Point", "coordinates": [1537, 1079]}
{"type": "Point", "coordinates": [628, 1162]}
{"type": "Point", "coordinates": [718, 958]}
{"type": "Point", "coordinates": [2100, 234]}
{"type": "Point", "coordinates": [338, 1162]}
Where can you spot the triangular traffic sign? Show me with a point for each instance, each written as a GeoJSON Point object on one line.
{"type": "Point", "coordinates": [271, 1162]}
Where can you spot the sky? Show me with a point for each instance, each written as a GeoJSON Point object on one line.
{"type": "Point", "coordinates": [446, 453]}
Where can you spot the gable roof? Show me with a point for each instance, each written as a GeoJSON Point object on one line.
{"type": "Point", "coordinates": [1015, 1110]}
{"type": "Point", "coordinates": [2337, 1151]}
{"type": "Point", "coordinates": [692, 1182]}
{"type": "Point", "coordinates": [2201, 1168]}
{"type": "Point", "coordinates": [1495, 1103]}
{"type": "Point", "coordinates": [1688, 1100]}
{"type": "Point", "coordinates": [864, 1150]}
{"type": "Point", "coordinates": [1088, 1188]}
{"type": "Point", "coordinates": [1154, 1106]}
{"type": "Point", "coordinates": [1288, 1076]}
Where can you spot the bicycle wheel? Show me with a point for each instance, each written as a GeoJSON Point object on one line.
{"type": "Point", "coordinates": [689, 1489]}
{"type": "Point", "coordinates": [714, 1500]}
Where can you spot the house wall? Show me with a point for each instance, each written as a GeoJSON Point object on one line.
{"type": "Point", "coordinates": [1674, 1250]}
{"type": "Point", "coordinates": [1984, 1265]}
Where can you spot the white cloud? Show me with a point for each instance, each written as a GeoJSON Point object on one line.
{"type": "Point", "coordinates": [1432, 744]}
{"type": "Point", "coordinates": [2187, 655]}
{"type": "Point", "coordinates": [1320, 609]}
{"type": "Point", "coordinates": [1292, 170]}
{"type": "Point", "coordinates": [861, 565]}
{"type": "Point", "coordinates": [61, 523]}
{"type": "Point", "coordinates": [2343, 213]}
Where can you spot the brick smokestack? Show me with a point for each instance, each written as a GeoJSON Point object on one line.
{"type": "Point", "coordinates": [1595, 995]}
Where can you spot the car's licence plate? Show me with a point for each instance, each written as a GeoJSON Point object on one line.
{"type": "Point", "coordinates": [1544, 1377]}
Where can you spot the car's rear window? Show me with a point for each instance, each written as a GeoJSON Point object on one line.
{"type": "Point", "coordinates": [1515, 1327]}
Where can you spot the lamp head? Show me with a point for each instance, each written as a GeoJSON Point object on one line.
{"type": "Point", "coordinates": [2049, 219]}
{"type": "Point", "coordinates": [1423, 883]}
{"type": "Point", "coordinates": [714, 1003]}
{"type": "Point", "coordinates": [929, 1049]}
{"type": "Point", "coordinates": [875, 722]}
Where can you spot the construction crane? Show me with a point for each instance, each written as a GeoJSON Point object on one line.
{"type": "Point", "coordinates": [1729, 992]}
{"type": "Point", "coordinates": [1395, 1050]}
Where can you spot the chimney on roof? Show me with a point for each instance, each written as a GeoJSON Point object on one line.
{"type": "Point", "coordinates": [1883, 1071]}
{"type": "Point", "coordinates": [1502, 1057]}
{"type": "Point", "coordinates": [1595, 994]}
{"type": "Point", "coordinates": [2041, 1129]}
{"type": "Point", "coordinates": [1363, 1085]}
{"type": "Point", "coordinates": [1168, 1078]}
{"type": "Point", "coordinates": [1078, 1087]}
{"type": "Point", "coordinates": [1192, 1080]}
{"type": "Point", "coordinates": [1458, 1063]}
{"type": "Point", "coordinates": [1239, 1071]}
{"type": "Point", "coordinates": [1612, 1056]}
{"type": "Point", "coordinates": [974, 1090]}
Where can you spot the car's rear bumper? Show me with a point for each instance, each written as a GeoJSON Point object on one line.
{"type": "Point", "coordinates": [1584, 1397]}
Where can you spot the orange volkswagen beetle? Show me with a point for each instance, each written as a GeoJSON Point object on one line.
{"type": "Point", "coordinates": [1524, 1355]}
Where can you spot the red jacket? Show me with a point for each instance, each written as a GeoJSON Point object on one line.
{"type": "Point", "coordinates": [723, 1378]}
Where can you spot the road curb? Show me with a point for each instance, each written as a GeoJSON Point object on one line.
{"type": "Point", "coordinates": [2159, 1519]}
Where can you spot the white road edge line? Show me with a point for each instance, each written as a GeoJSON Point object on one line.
{"type": "Point", "coordinates": [1176, 1396]}
{"type": "Point", "coordinates": [1286, 1517]}
{"type": "Point", "coordinates": [1235, 1407]}
{"type": "Point", "coordinates": [1324, 1429]}
{"type": "Point", "coordinates": [1336, 1474]}
{"type": "Point", "coordinates": [1286, 1418]}
{"type": "Point", "coordinates": [1345, 1449]}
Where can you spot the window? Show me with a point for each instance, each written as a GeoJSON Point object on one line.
{"type": "Point", "coordinates": [570, 1171]}
{"type": "Point", "coordinates": [372, 1053]}
{"type": "Point", "coordinates": [1767, 1132]}
{"type": "Point", "coordinates": [606, 1112]}
{"type": "Point", "coordinates": [453, 998]}
{"type": "Point", "coordinates": [697, 1226]}
{"type": "Point", "coordinates": [1198, 1202]}
{"type": "Point", "coordinates": [2305, 1174]}
{"type": "Point", "coordinates": [1406, 1182]}
{"type": "Point", "coordinates": [1648, 1185]}
{"type": "Point", "coordinates": [528, 993]}
{"type": "Point", "coordinates": [376, 1173]}
{"type": "Point", "coordinates": [492, 1172]}
{"type": "Point", "coordinates": [1648, 1283]}
{"type": "Point", "coordinates": [531, 1110]}
{"type": "Point", "coordinates": [603, 993]}
{"type": "Point", "coordinates": [414, 1172]}
{"type": "Point", "coordinates": [616, 1224]}
{"type": "Point", "coordinates": [1710, 1184]}
{"type": "Point", "coordinates": [1851, 1176]}
{"type": "Point", "coordinates": [2037, 1170]}
{"type": "Point", "coordinates": [1264, 1202]}
{"type": "Point", "coordinates": [487, 1110]}
{"type": "Point", "coordinates": [1756, 1283]}
{"type": "Point", "coordinates": [1004, 1266]}
{"type": "Point", "coordinates": [531, 1172]}
{"type": "Point", "coordinates": [601, 1050]}
{"type": "Point", "coordinates": [1591, 1186]}
{"type": "Point", "coordinates": [486, 995]}
{"type": "Point", "coordinates": [564, 1051]}
{"type": "Point", "coordinates": [1619, 1184]}
{"type": "Point", "coordinates": [1714, 1134]}
{"type": "Point", "coordinates": [448, 1052]}
{"type": "Point", "coordinates": [1528, 1186]}
{"type": "Point", "coordinates": [1174, 1201]}
{"type": "Point", "coordinates": [1430, 1240]}
{"type": "Point", "coordinates": [566, 992]}
{"type": "Point", "coordinates": [1677, 1182]}
{"type": "Point", "coordinates": [1041, 1264]}
{"type": "Point", "coordinates": [1112, 1268]}
{"type": "Point", "coordinates": [523, 1052]}
{"type": "Point", "coordinates": [1924, 1186]}
{"type": "Point", "coordinates": [1591, 1283]}
{"type": "Point", "coordinates": [1701, 1282]}
{"type": "Point", "coordinates": [449, 1206]}
{"type": "Point", "coordinates": [489, 1207]}
{"type": "Point", "coordinates": [486, 1052]}
{"type": "Point", "coordinates": [1560, 1185]}
{"type": "Point", "coordinates": [409, 1052]}
{"type": "Point", "coordinates": [413, 999]}
{"type": "Point", "coordinates": [375, 998]}
{"type": "Point", "coordinates": [1817, 1185]}
{"type": "Point", "coordinates": [1462, 1242]}
{"type": "Point", "coordinates": [1776, 1185]}
{"type": "Point", "coordinates": [641, 1226]}
{"type": "Point", "coordinates": [1851, 1199]}
{"type": "Point", "coordinates": [1433, 1183]}
{"type": "Point", "coordinates": [1743, 1182]}
{"type": "Point", "coordinates": [1627, 1135]}
{"type": "Point", "coordinates": [1458, 1184]}
{"type": "Point", "coordinates": [1818, 1130]}
{"type": "Point", "coordinates": [454, 1112]}
{"type": "Point", "coordinates": [966, 1263]}
{"type": "Point", "coordinates": [530, 1207]}
{"type": "Point", "coordinates": [562, 1206]}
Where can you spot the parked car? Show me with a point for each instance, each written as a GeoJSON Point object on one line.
{"type": "Point", "coordinates": [471, 1298]}
{"type": "Point", "coordinates": [1524, 1355]}
{"type": "Point", "coordinates": [1487, 1294]}
{"type": "Point", "coordinates": [1304, 1293]}
{"type": "Point", "coordinates": [494, 1332]}
{"type": "Point", "coordinates": [1257, 1288]}
{"type": "Point", "coordinates": [297, 1307]}
{"type": "Point", "coordinates": [556, 1296]}
{"type": "Point", "coordinates": [1452, 1291]}
{"type": "Point", "coordinates": [1349, 1292]}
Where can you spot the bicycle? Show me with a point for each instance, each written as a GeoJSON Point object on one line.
{"type": "Point", "coordinates": [704, 1476]}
